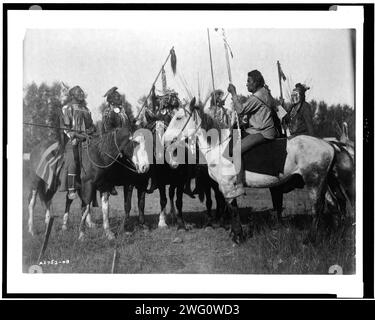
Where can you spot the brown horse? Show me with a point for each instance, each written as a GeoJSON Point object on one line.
{"type": "Point", "coordinates": [98, 155]}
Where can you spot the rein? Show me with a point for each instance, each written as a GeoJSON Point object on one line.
{"type": "Point", "coordinates": [200, 125]}
{"type": "Point", "coordinates": [119, 155]}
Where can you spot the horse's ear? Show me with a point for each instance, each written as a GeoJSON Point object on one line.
{"type": "Point", "coordinates": [64, 85]}
{"type": "Point", "coordinates": [192, 104]}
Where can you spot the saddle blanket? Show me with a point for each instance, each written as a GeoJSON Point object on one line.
{"type": "Point", "coordinates": [266, 158]}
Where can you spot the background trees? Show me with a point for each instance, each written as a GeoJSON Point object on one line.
{"type": "Point", "coordinates": [40, 102]}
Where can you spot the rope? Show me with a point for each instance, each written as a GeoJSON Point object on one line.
{"type": "Point", "coordinates": [109, 156]}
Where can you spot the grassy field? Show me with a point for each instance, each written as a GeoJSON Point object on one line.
{"type": "Point", "coordinates": [274, 249]}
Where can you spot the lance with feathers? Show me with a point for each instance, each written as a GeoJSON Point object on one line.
{"type": "Point", "coordinates": [227, 50]}
{"type": "Point", "coordinates": [212, 69]}
{"type": "Point", "coordinates": [281, 76]}
{"type": "Point", "coordinates": [52, 127]}
{"type": "Point", "coordinates": [173, 57]}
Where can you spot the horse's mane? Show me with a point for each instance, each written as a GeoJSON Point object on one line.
{"type": "Point", "coordinates": [208, 122]}
{"type": "Point", "coordinates": [104, 143]}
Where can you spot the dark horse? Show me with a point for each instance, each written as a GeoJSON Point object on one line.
{"type": "Point", "coordinates": [163, 174]}
{"type": "Point", "coordinates": [178, 175]}
{"type": "Point", "coordinates": [98, 154]}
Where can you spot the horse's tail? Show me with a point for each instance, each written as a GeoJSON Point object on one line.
{"type": "Point", "coordinates": [340, 178]}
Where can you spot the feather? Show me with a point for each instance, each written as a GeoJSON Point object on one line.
{"type": "Point", "coordinates": [173, 61]}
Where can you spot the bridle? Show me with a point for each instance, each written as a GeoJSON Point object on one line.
{"type": "Point", "coordinates": [180, 139]}
{"type": "Point", "coordinates": [119, 155]}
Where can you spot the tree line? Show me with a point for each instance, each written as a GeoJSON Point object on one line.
{"type": "Point", "coordinates": [42, 101]}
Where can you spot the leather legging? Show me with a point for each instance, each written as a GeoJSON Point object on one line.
{"type": "Point", "coordinates": [250, 141]}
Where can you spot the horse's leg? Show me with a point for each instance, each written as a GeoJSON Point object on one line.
{"type": "Point", "coordinates": [163, 204]}
{"type": "Point", "coordinates": [68, 203]}
{"type": "Point", "coordinates": [128, 193]}
{"type": "Point", "coordinates": [180, 219]}
{"type": "Point", "coordinates": [207, 192]}
{"type": "Point", "coordinates": [171, 191]}
{"type": "Point", "coordinates": [48, 212]}
{"type": "Point", "coordinates": [85, 212]}
{"type": "Point", "coordinates": [105, 209]}
{"type": "Point", "coordinates": [236, 228]}
{"type": "Point", "coordinates": [277, 202]}
{"type": "Point", "coordinates": [317, 196]}
{"type": "Point", "coordinates": [92, 190]}
{"type": "Point", "coordinates": [32, 200]}
{"type": "Point", "coordinates": [221, 205]}
{"type": "Point", "coordinates": [141, 193]}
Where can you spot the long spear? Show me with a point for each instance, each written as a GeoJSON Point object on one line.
{"type": "Point", "coordinates": [212, 69]}
{"type": "Point", "coordinates": [52, 127]}
{"type": "Point", "coordinates": [227, 49]}
{"type": "Point", "coordinates": [173, 64]}
{"type": "Point", "coordinates": [281, 76]}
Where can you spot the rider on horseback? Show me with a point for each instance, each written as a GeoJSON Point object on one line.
{"type": "Point", "coordinates": [78, 121]}
{"type": "Point", "coordinates": [258, 116]}
{"type": "Point", "coordinates": [299, 117]}
{"type": "Point", "coordinates": [114, 116]}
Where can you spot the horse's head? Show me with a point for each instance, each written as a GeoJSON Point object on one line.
{"type": "Point", "coordinates": [133, 148]}
{"type": "Point", "coordinates": [183, 125]}
{"type": "Point", "coordinates": [140, 155]}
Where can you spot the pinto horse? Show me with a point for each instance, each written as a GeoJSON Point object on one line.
{"type": "Point", "coordinates": [163, 174]}
{"type": "Point", "coordinates": [308, 162]}
{"type": "Point", "coordinates": [98, 155]}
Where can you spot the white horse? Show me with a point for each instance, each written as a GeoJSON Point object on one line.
{"type": "Point", "coordinates": [308, 158]}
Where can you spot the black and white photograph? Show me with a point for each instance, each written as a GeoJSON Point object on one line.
{"type": "Point", "coordinates": [185, 147]}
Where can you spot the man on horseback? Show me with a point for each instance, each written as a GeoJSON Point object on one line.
{"type": "Point", "coordinates": [299, 117]}
{"type": "Point", "coordinates": [114, 116]}
{"type": "Point", "coordinates": [257, 117]}
{"type": "Point", "coordinates": [78, 121]}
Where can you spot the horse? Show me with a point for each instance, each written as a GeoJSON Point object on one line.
{"type": "Point", "coordinates": [165, 175]}
{"type": "Point", "coordinates": [98, 155]}
{"type": "Point", "coordinates": [307, 163]}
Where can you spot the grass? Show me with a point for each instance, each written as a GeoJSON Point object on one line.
{"type": "Point", "coordinates": [274, 248]}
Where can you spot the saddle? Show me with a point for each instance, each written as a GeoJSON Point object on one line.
{"type": "Point", "coordinates": [266, 158]}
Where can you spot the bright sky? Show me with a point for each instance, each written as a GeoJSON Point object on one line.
{"type": "Point", "coordinates": [130, 59]}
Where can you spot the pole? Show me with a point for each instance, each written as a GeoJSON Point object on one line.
{"type": "Point", "coordinates": [280, 85]}
{"type": "Point", "coordinates": [144, 103]}
{"type": "Point", "coordinates": [52, 127]}
{"type": "Point", "coordinates": [227, 57]}
{"type": "Point", "coordinates": [212, 69]}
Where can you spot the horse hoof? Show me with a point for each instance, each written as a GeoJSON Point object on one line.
{"type": "Point", "coordinates": [110, 235]}
{"type": "Point", "coordinates": [91, 225]}
{"type": "Point", "coordinates": [189, 226]}
{"type": "Point", "coordinates": [182, 228]}
{"type": "Point", "coordinates": [144, 227]}
{"type": "Point", "coordinates": [31, 232]}
{"type": "Point", "coordinates": [64, 227]}
{"type": "Point", "coordinates": [237, 238]}
{"type": "Point", "coordinates": [162, 225]}
{"type": "Point", "coordinates": [81, 236]}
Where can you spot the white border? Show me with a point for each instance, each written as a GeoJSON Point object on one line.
{"type": "Point", "coordinates": [18, 282]}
